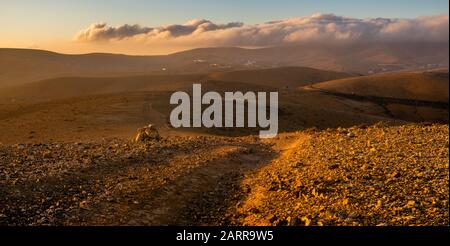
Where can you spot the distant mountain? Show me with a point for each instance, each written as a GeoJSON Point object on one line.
{"type": "Point", "coordinates": [359, 58]}
{"type": "Point", "coordinates": [18, 66]}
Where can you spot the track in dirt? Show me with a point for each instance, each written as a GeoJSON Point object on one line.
{"type": "Point", "coordinates": [197, 188]}
{"type": "Point", "coordinates": [202, 195]}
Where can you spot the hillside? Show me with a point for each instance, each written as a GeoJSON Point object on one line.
{"type": "Point", "coordinates": [18, 66]}
{"type": "Point", "coordinates": [284, 77]}
{"type": "Point", "coordinates": [427, 86]}
{"type": "Point", "coordinates": [378, 175]}
{"type": "Point", "coordinates": [362, 176]}
{"type": "Point", "coordinates": [69, 87]}
{"type": "Point", "coordinates": [66, 87]}
{"type": "Point", "coordinates": [88, 108]}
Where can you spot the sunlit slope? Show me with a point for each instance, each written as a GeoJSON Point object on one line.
{"type": "Point", "coordinates": [68, 87]}
{"type": "Point", "coordinates": [427, 86]}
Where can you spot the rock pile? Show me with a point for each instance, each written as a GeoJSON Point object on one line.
{"type": "Point", "coordinates": [148, 133]}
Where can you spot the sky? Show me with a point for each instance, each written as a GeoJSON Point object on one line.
{"type": "Point", "coordinates": [57, 24]}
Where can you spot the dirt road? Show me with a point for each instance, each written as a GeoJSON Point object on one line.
{"type": "Point", "coordinates": [380, 175]}
{"type": "Point", "coordinates": [179, 181]}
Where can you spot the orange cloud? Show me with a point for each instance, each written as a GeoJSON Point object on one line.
{"type": "Point", "coordinates": [314, 28]}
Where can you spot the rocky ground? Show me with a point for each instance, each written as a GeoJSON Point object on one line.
{"type": "Point", "coordinates": [180, 180]}
{"type": "Point", "coordinates": [377, 175]}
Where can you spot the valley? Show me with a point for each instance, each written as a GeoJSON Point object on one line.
{"type": "Point", "coordinates": [352, 149]}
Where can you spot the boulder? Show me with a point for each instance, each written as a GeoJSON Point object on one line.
{"type": "Point", "coordinates": [148, 133]}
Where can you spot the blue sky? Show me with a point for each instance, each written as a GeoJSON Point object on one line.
{"type": "Point", "coordinates": [36, 21]}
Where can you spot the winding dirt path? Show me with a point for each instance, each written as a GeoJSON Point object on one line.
{"type": "Point", "coordinates": [201, 188]}
{"type": "Point", "coordinates": [200, 195]}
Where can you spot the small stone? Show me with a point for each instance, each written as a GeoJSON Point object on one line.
{"type": "Point", "coordinates": [353, 215]}
{"type": "Point", "coordinates": [345, 202]}
{"type": "Point", "coordinates": [306, 221]}
{"type": "Point", "coordinates": [293, 221]}
{"type": "Point", "coordinates": [379, 204]}
{"type": "Point", "coordinates": [271, 218]}
{"type": "Point", "coordinates": [47, 154]}
{"type": "Point", "coordinates": [83, 204]}
{"type": "Point", "coordinates": [395, 175]}
{"type": "Point", "coordinates": [410, 204]}
{"type": "Point", "coordinates": [333, 166]}
{"type": "Point", "coordinates": [297, 164]}
{"type": "Point", "coordinates": [20, 146]}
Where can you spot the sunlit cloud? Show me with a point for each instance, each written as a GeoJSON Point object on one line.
{"type": "Point", "coordinates": [314, 28]}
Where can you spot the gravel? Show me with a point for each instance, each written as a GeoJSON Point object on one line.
{"type": "Point", "coordinates": [377, 175]}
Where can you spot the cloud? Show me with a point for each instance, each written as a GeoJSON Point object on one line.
{"type": "Point", "coordinates": [314, 28]}
{"type": "Point", "coordinates": [102, 32]}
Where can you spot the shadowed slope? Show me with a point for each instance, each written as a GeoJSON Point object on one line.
{"type": "Point", "coordinates": [285, 77]}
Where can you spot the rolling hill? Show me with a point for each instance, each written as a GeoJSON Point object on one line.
{"type": "Point", "coordinates": [18, 66]}
{"type": "Point", "coordinates": [70, 87]}
{"type": "Point", "coordinates": [284, 77]}
{"type": "Point", "coordinates": [426, 86]}
{"type": "Point", "coordinates": [66, 87]}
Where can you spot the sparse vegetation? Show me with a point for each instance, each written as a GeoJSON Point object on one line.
{"type": "Point", "coordinates": [69, 154]}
